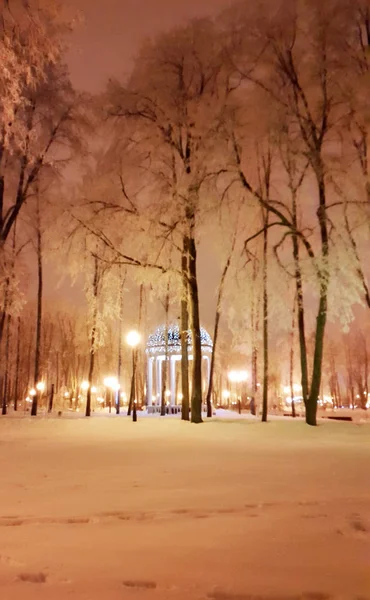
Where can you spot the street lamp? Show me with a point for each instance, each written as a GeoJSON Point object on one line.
{"type": "Point", "coordinates": [133, 339]}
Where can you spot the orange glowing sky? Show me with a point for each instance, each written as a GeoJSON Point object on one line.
{"type": "Point", "coordinates": [112, 31]}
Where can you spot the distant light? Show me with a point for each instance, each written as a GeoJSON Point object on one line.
{"type": "Point", "coordinates": [180, 396]}
{"type": "Point", "coordinates": [168, 393]}
{"type": "Point", "coordinates": [85, 386]}
{"type": "Point", "coordinates": [238, 376]}
{"type": "Point", "coordinates": [40, 386]}
{"type": "Point", "coordinates": [66, 394]}
{"type": "Point", "coordinates": [94, 390]}
{"type": "Point", "coordinates": [226, 394]}
{"type": "Point", "coordinates": [112, 383]}
{"type": "Point", "coordinates": [328, 399]}
{"type": "Point", "coordinates": [33, 392]}
{"type": "Point", "coordinates": [296, 388]}
{"type": "Point", "coordinates": [133, 338]}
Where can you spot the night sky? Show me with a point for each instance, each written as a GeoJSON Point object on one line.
{"type": "Point", "coordinates": [113, 30]}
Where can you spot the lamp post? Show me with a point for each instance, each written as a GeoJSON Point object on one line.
{"type": "Point", "coordinates": [133, 339]}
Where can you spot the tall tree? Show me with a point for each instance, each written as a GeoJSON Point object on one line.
{"type": "Point", "coordinates": [176, 96]}
{"type": "Point", "coordinates": [40, 286]}
{"type": "Point", "coordinates": [305, 97]}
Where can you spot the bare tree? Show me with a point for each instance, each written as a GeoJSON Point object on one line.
{"type": "Point", "coordinates": [175, 96]}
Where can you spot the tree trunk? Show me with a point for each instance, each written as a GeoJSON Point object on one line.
{"type": "Point", "coordinates": [51, 398]}
{"type": "Point", "coordinates": [265, 322]}
{"type": "Point", "coordinates": [17, 364]}
{"type": "Point", "coordinates": [254, 349]}
{"type": "Point", "coordinates": [311, 404]}
{"type": "Point", "coordinates": [211, 374]}
{"type": "Point", "coordinates": [196, 395]}
{"type": "Point", "coordinates": [93, 336]}
{"type": "Point", "coordinates": [300, 311]}
{"type": "Point", "coordinates": [135, 356]}
{"type": "Point", "coordinates": [39, 312]}
{"type": "Point", "coordinates": [119, 364]}
{"type": "Point", "coordinates": [291, 366]}
{"type": "Point", "coordinates": [185, 403]}
{"type": "Point", "coordinates": [5, 389]}
{"type": "Point", "coordinates": [215, 332]}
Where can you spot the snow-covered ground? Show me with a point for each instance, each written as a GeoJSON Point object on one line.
{"type": "Point", "coordinates": [106, 509]}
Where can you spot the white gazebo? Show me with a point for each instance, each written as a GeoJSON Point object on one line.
{"type": "Point", "coordinates": [156, 354]}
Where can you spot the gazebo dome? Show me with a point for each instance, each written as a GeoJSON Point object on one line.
{"type": "Point", "coordinates": [157, 341]}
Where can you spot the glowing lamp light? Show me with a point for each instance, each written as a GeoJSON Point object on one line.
{"type": "Point", "coordinates": [40, 386]}
{"type": "Point", "coordinates": [226, 394]}
{"type": "Point", "coordinates": [180, 396]}
{"type": "Point", "coordinates": [111, 382]}
{"type": "Point", "coordinates": [94, 389]}
{"type": "Point", "coordinates": [66, 394]}
{"type": "Point", "coordinates": [168, 393]}
{"type": "Point", "coordinates": [85, 386]}
{"type": "Point", "coordinates": [238, 376]}
{"type": "Point", "coordinates": [133, 338]}
{"type": "Point", "coordinates": [33, 392]}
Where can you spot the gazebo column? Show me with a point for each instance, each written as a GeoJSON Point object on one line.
{"type": "Point", "coordinates": [149, 382]}
{"type": "Point", "coordinates": [159, 360]}
{"type": "Point", "coordinates": [208, 374]}
{"type": "Point", "coordinates": [173, 379]}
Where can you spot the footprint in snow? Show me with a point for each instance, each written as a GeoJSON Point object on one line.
{"type": "Point", "coordinates": [32, 577]}
{"type": "Point", "coordinates": [140, 584]}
